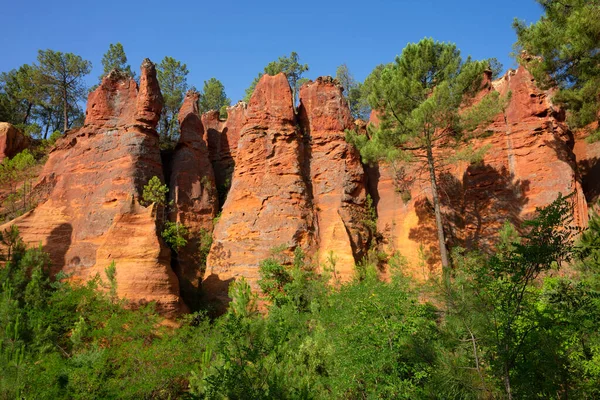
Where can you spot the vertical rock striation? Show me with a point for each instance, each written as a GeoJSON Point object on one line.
{"type": "Point", "coordinates": [336, 175]}
{"type": "Point", "coordinates": [269, 203]}
{"type": "Point", "coordinates": [193, 193]}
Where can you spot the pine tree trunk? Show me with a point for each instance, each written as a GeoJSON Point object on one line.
{"type": "Point", "coordinates": [29, 106]}
{"type": "Point", "coordinates": [438, 217]}
{"type": "Point", "coordinates": [65, 113]}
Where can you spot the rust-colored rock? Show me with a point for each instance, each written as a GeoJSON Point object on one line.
{"type": "Point", "coordinates": [337, 177]}
{"type": "Point", "coordinates": [12, 141]}
{"type": "Point", "coordinates": [93, 179]}
{"type": "Point", "coordinates": [194, 194]}
{"type": "Point", "coordinates": [588, 163]}
{"type": "Point", "coordinates": [529, 162]}
{"type": "Point", "coordinates": [268, 204]}
{"type": "Point", "coordinates": [222, 138]}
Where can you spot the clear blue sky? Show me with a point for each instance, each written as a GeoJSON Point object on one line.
{"type": "Point", "coordinates": [234, 40]}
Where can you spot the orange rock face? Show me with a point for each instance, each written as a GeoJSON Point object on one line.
{"type": "Point", "coordinates": [268, 204]}
{"type": "Point", "coordinates": [193, 192]}
{"type": "Point", "coordinates": [529, 162]}
{"type": "Point", "coordinates": [336, 175]}
{"type": "Point", "coordinates": [12, 141]}
{"type": "Point", "coordinates": [93, 179]}
{"type": "Point", "coordinates": [222, 138]}
{"type": "Point", "coordinates": [588, 163]}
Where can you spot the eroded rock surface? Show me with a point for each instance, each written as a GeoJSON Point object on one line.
{"type": "Point", "coordinates": [222, 137]}
{"type": "Point", "coordinates": [269, 204]}
{"type": "Point", "coordinates": [193, 193]}
{"type": "Point", "coordinates": [12, 141]}
{"type": "Point", "coordinates": [93, 180]}
{"type": "Point", "coordinates": [337, 177]}
{"type": "Point", "coordinates": [529, 161]}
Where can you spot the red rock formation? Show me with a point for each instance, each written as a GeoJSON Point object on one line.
{"type": "Point", "coordinates": [93, 179]}
{"type": "Point", "coordinates": [193, 192]}
{"type": "Point", "coordinates": [12, 141]}
{"type": "Point", "coordinates": [337, 176]}
{"type": "Point", "coordinates": [222, 138]}
{"type": "Point", "coordinates": [529, 161]}
{"type": "Point", "coordinates": [269, 203]}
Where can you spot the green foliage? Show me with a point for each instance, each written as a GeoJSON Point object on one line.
{"type": "Point", "coordinates": [175, 235]}
{"type": "Point", "coordinates": [359, 107]}
{"type": "Point", "coordinates": [61, 75]}
{"type": "Point", "coordinates": [155, 192]}
{"type": "Point", "coordinates": [496, 67]}
{"type": "Point", "coordinates": [499, 307]}
{"type": "Point", "coordinates": [364, 339]}
{"type": "Point", "coordinates": [172, 77]}
{"type": "Point", "coordinates": [213, 97]}
{"type": "Point", "coordinates": [19, 94]}
{"type": "Point", "coordinates": [297, 285]}
{"type": "Point", "coordinates": [562, 49]}
{"type": "Point", "coordinates": [115, 59]}
{"type": "Point", "coordinates": [290, 66]}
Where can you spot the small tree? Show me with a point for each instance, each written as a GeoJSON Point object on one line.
{"type": "Point", "coordinates": [175, 235]}
{"type": "Point", "coordinates": [172, 77]}
{"type": "Point", "coordinates": [155, 192]}
{"type": "Point", "coordinates": [352, 92]}
{"type": "Point", "coordinates": [212, 96]}
{"type": "Point", "coordinates": [115, 58]}
{"type": "Point", "coordinates": [62, 75]}
{"type": "Point", "coordinates": [496, 67]}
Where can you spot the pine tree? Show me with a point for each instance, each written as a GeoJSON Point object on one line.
{"type": "Point", "coordinates": [563, 49]}
{"type": "Point", "coordinates": [418, 99]}
{"type": "Point", "coordinates": [115, 58]}
{"type": "Point", "coordinates": [212, 96]}
{"type": "Point", "coordinates": [292, 69]}
{"type": "Point", "coordinates": [62, 75]}
{"type": "Point", "coordinates": [172, 77]}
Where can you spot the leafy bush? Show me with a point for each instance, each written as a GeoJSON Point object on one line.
{"type": "Point", "coordinates": [175, 235]}
{"type": "Point", "coordinates": [155, 192]}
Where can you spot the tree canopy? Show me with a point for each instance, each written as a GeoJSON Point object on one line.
{"type": "Point", "coordinates": [172, 77]}
{"type": "Point", "coordinates": [115, 58]}
{"type": "Point", "coordinates": [62, 75]}
{"type": "Point", "coordinates": [212, 96]}
{"type": "Point", "coordinates": [563, 49]}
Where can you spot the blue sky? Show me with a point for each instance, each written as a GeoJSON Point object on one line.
{"type": "Point", "coordinates": [234, 40]}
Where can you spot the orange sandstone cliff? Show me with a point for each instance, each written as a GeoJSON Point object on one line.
{"type": "Point", "coordinates": [269, 203]}
{"type": "Point", "coordinates": [93, 180]}
{"type": "Point", "coordinates": [282, 179]}
{"type": "Point", "coordinates": [529, 161]}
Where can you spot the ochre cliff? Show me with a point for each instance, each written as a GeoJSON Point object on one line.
{"type": "Point", "coordinates": [193, 194]}
{"type": "Point", "coordinates": [282, 179]}
{"type": "Point", "coordinates": [336, 176]}
{"type": "Point", "coordinates": [528, 162]}
{"type": "Point", "coordinates": [12, 141]}
{"type": "Point", "coordinates": [93, 179]}
{"type": "Point", "coordinates": [269, 203]}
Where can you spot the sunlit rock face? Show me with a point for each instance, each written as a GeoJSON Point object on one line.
{"type": "Point", "coordinates": [89, 215]}
{"type": "Point", "coordinates": [528, 162]}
